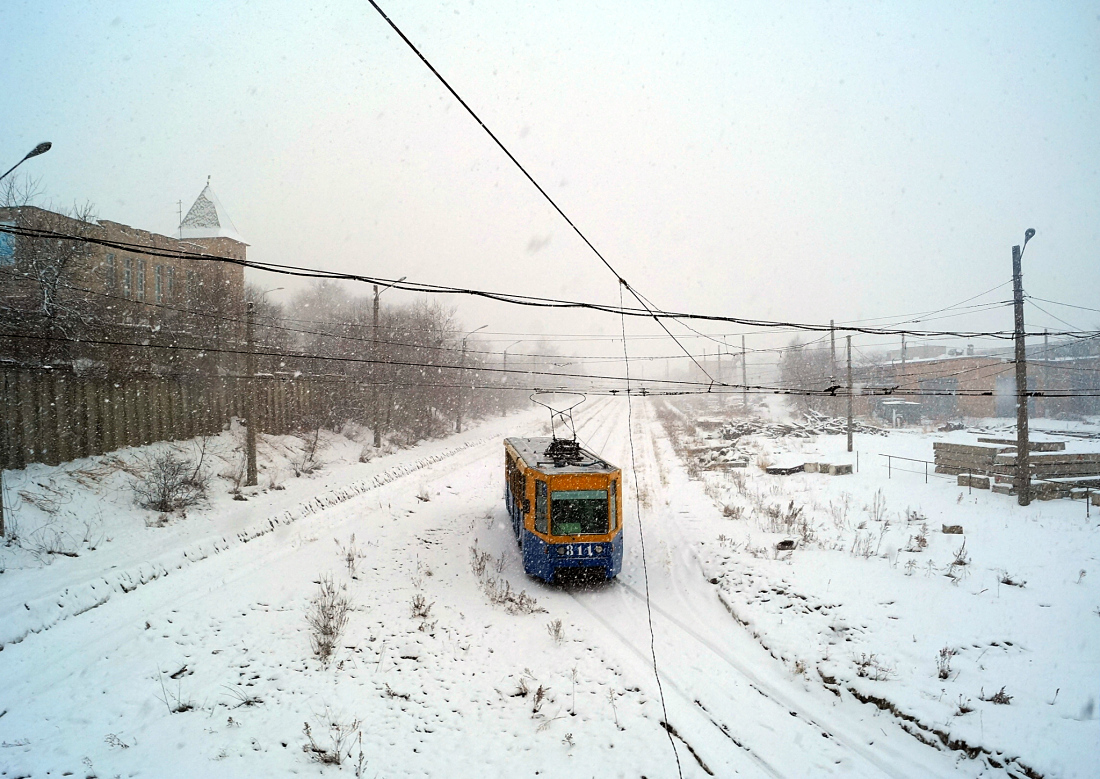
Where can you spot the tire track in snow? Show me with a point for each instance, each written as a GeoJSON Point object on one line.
{"type": "Point", "coordinates": [43, 613]}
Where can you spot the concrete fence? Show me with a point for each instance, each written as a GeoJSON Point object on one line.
{"type": "Point", "coordinates": [56, 415]}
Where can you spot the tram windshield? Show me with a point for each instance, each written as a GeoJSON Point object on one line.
{"type": "Point", "coordinates": [578, 512]}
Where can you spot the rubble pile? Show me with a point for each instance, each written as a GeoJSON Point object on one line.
{"type": "Point", "coordinates": [813, 423]}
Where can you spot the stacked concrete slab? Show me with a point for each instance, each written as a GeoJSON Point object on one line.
{"type": "Point", "coordinates": [1054, 474]}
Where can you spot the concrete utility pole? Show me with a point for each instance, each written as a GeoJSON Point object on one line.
{"type": "Point", "coordinates": [376, 388]}
{"type": "Point", "coordinates": [903, 352]}
{"type": "Point", "coordinates": [376, 395]}
{"type": "Point", "coordinates": [832, 366]}
{"type": "Point", "coordinates": [3, 535]}
{"type": "Point", "coordinates": [744, 377]}
{"type": "Point", "coordinates": [462, 377]}
{"type": "Point", "coordinates": [849, 392]}
{"type": "Point", "coordinates": [250, 430]}
{"type": "Point", "coordinates": [1023, 470]}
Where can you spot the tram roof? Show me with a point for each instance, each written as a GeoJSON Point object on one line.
{"type": "Point", "coordinates": [533, 453]}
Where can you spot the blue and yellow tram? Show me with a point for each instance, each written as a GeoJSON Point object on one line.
{"type": "Point", "coordinates": [566, 507]}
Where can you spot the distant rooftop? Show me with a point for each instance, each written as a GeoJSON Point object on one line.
{"type": "Point", "coordinates": [208, 218]}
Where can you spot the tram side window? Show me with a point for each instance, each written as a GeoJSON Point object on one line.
{"type": "Point", "coordinates": [613, 514]}
{"type": "Point", "coordinates": [541, 513]}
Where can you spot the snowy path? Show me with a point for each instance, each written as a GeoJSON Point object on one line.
{"type": "Point", "coordinates": [451, 693]}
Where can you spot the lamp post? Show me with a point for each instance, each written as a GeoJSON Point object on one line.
{"type": "Point", "coordinates": [376, 401]}
{"type": "Point", "coordinates": [41, 148]}
{"type": "Point", "coordinates": [461, 393]}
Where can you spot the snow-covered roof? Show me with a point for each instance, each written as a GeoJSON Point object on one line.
{"type": "Point", "coordinates": [533, 453]}
{"type": "Point", "coordinates": [208, 218]}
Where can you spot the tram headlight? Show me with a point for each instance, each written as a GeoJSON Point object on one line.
{"type": "Point", "coordinates": [561, 551]}
{"type": "Point", "coordinates": [599, 549]}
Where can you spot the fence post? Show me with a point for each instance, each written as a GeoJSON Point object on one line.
{"type": "Point", "coordinates": [889, 471]}
{"type": "Point", "coordinates": [925, 471]}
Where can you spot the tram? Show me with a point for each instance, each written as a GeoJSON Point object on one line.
{"type": "Point", "coordinates": [566, 508]}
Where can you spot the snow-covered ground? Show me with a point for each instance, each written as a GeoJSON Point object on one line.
{"type": "Point", "coordinates": [444, 669]}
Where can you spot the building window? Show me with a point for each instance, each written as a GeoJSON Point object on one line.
{"type": "Point", "coordinates": [158, 283]}
{"type": "Point", "coordinates": [109, 273]}
{"type": "Point", "coordinates": [7, 246]}
{"type": "Point", "coordinates": [128, 277]}
{"type": "Point", "coordinates": [171, 283]}
{"type": "Point", "coordinates": [140, 286]}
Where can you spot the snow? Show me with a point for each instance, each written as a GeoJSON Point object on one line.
{"type": "Point", "coordinates": [758, 652]}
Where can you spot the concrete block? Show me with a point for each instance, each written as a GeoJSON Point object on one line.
{"type": "Point", "coordinates": [840, 470]}
{"type": "Point", "coordinates": [975, 482]}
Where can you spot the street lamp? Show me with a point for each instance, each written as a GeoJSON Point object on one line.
{"type": "Point", "coordinates": [461, 394]}
{"type": "Point", "coordinates": [41, 148]}
{"type": "Point", "coordinates": [377, 422]}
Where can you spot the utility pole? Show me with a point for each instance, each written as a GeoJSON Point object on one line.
{"type": "Point", "coordinates": [744, 377]}
{"type": "Point", "coordinates": [903, 352]}
{"type": "Point", "coordinates": [461, 391]}
{"type": "Point", "coordinates": [376, 405]}
{"type": "Point", "coordinates": [250, 430]}
{"type": "Point", "coordinates": [462, 378]}
{"type": "Point", "coordinates": [832, 366]}
{"type": "Point", "coordinates": [1023, 470]}
{"type": "Point", "coordinates": [849, 392]}
{"type": "Point", "coordinates": [3, 535]}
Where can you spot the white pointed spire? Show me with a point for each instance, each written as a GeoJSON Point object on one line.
{"type": "Point", "coordinates": [208, 218]}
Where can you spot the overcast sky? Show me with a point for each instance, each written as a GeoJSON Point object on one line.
{"type": "Point", "coordinates": [799, 161]}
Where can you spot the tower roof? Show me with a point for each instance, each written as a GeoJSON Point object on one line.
{"type": "Point", "coordinates": [208, 218]}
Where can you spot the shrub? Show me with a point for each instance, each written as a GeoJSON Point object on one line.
{"type": "Point", "coordinates": [169, 482]}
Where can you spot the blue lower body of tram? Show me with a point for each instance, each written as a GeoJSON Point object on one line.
{"type": "Point", "coordinates": [544, 559]}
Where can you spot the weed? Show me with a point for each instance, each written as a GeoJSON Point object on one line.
{"type": "Point", "coordinates": [1000, 697]}
{"type": "Point", "coordinates": [807, 533]}
{"type": "Point", "coordinates": [963, 706]}
{"type": "Point", "coordinates": [539, 698]}
{"type": "Point", "coordinates": [919, 542]}
{"type": "Point", "coordinates": [421, 609]}
{"type": "Point", "coordinates": [113, 740]}
{"type": "Point", "coordinates": [556, 631]}
{"type": "Point", "coordinates": [341, 734]}
{"type": "Point", "coordinates": [869, 667]}
{"type": "Point", "coordinates": [177, 703]}
{"type": "Point", "coordinates": [568, 741]}
{"type": "Point", "coordinates": [1007, 578]}
{"type": "Point", "coordinates": [956, 570]}
{"type": "Point", "coordinates": [327, 617]}
{"type": "Point", "coordinates": [614, 711]}
{"type": "Point", "coordinates": [877, 510]}
{"type": "Point", "coordinates": [243, 698]}
{"type": "Point", "coordinates": [943, 662]}
{"type": "Point", "coordinates": [351, 555]}
{"type": "Point", "coordinates": [307, 460]}
{"type": "Point", "coordinates": [733, 512]}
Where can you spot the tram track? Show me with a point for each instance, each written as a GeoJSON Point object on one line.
{"type": "Point", "coordinates": [883, 760]}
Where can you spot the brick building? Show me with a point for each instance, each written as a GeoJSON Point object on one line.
{"type": "Point", "coordinates": [58, 298]}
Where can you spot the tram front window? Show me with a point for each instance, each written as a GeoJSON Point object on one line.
{"type": "Point", "coordinates": [578, 512]}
